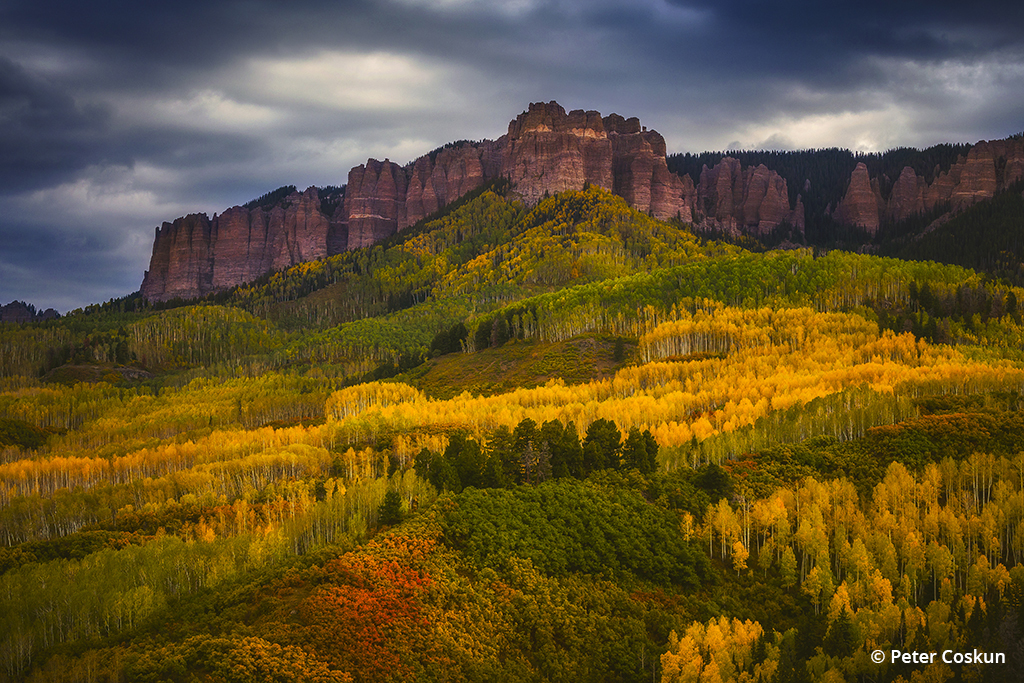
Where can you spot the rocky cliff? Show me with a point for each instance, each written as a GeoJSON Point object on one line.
{"type": "Point", "coordinates": [754, 200]}
{"type": "Point", "coordinates": [988, 167]}
{"type": "Point", "coordinates": [382, 197]}
{"type": "Point", "coordinates": [196, 255]}
{"type": "Point", "coordinates": [546, 150]}
{"type": "Point", "coordinates": [862, 204]}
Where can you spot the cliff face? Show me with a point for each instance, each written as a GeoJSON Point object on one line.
{"type": "Point", "coordinates": [862, 205]}
{"type": "Point", "coordinates": [382, 197]}
{"type": "Point", "coordinates": [546, 150]}
{"type": "Point", "coordinates": [752, 200]}
{"type": "Point", "coordinates": [988, 168]}
{"type": "Point", "coordinates": [194, 255]}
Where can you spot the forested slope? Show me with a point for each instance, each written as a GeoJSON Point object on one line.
{"type": "Point", "coordinates": [567, 442]}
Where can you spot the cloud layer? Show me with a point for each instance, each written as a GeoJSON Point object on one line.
{"type": "Point", "coordinates": [116, 116]}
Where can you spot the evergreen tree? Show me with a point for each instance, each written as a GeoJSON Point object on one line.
{"type": "Point", "coordinates": [500, 450]}
{"type": "Point", "coordinates": [634, 452]}
{"type": "Point", "coordinates": [841, 639]}
{"type": "Point", "coordinates": [466, 457]}
{"type": "Point", "coordinates": [601, 446]}
{"type": "Point", "coordinates": [389, 513]}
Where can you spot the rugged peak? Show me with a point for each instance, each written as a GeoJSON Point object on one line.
{"type": "Point", "coordinates": [613, 123]}
{"type": "Point", "coordinates": [546, 150]}
{"type": "Point", "coordinates": [737, 200]}
{"type": "Point", "coordinates": [862, 205]}
{"type": "Point", "coordinates": [542, 117]}
{"type": "Point", "coordinates": [550, 117]}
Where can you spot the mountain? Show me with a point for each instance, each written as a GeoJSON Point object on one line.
{"type": "Point", "coordinates": [534, 438]}
{"type": "Point", "coordinates": [562, 441]}
{"type": "Point", "coordinates": [545, 151]}
{"type": "Point", "coordinates": [803, 197]}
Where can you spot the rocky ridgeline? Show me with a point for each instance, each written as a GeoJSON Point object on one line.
{"type": "Point", "coordinates": [988, 168]}
{"type": "Point", "coordinates": [546, 150]}
{"type": "Point", "coordinates": [196, 255]}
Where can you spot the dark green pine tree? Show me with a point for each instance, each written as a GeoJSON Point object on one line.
{"type": "Point", "coordinates": [601, 446]}
{"type": "Point", "coordinates": [445, 477]}
{"type": "Point", "coordinates": [791, 668]}
{"type": "Point", "coordinates": [500, 449]}
{"type": "Point", "coordinates": [493, 476]}
{"type": "Point", "coordinates": [652, 450]}
{"type": "Point", "coordinates": [466, 456]}
{"type": "Point", "coordinates": [571, 451]}
{"type": "Point", "coordinates": [841, 639]}
{"type": "Point", "coordinates": [564, 445]}
{"type": "Point", "coordinates": [390, 512]}
{"type": "Point", "coordinates": [425, 464]}
{"type": "Point", "coordinates": [634, 452]}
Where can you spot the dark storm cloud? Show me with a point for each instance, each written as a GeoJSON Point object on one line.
{"type": "Point", "coordinates": [44, 133]}
{"type": "Point", "coordinates": [116, 115]}
{"type": "Point", "coordinates": [819, 39]}
{"type": "Point", "coordinates": [44, 267]}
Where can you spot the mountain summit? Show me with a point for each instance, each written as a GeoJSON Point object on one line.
{"type": "Point", "coordinates": [546, 150]}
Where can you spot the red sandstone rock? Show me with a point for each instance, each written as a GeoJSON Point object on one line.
{"type": "Point", "coordinates": [744, 201]}
{"type": "Point", "coordinates": [181, 261]}
{"type": "Point", "coordinates": [977, 177]}
{"type": "Point", "coordinates": [548, 151]}
{"type": "Point", "coordinates": [907, 197]}
{"type": "Point", "coordinates": [195, 256]}
{"type": "Point", "coordinates": [545, 151]}
{"type": "Point", "coordinates": [862, 205]}
{"type": "Point", "coordinates": [374, 202]}
{"type": "Point", "coordinates": [988, 168]}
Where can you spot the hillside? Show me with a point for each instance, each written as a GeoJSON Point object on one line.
{"type": "Point", "coordinates": [986, 237]}
{"type": "Point", "coordinates": [547, 441]}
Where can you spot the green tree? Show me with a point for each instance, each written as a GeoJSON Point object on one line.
{"type": "Point", "coordinates": [640, 451]}
{"type": "Point", "coordinates": [389, 513]}
{"type": "Point", "coordinates": [601, 446]}
{"type": "Point", "coordinates": [841, 639]}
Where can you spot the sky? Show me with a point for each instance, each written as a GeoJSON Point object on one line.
{"type": "Point", "coordinates": [117, 116]}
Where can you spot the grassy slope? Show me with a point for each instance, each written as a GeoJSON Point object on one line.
{"type": "Point", "coordinates": [518, 364]}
